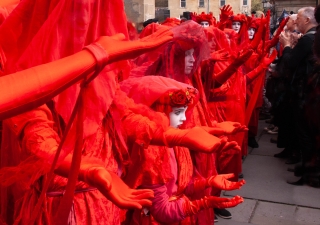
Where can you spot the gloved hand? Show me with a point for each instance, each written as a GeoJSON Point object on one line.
{"type": "Point", "coordinates": [119, 49]}
{"type": "Point", "coordinates": [275, 39]}
{"type": "Point", "coordinates": [196, 139]}
{"type": "Point", "coordinates": [266, 61]}
{"type": "Point", "coordinates": [97, 177]}
{"type": "Point", "coordinates": [221, 182]}
{"type": "Point", "coordinates": [220, 55]}
{"type": "Point", "coordinates": [124, 197]}
{"type": "Point", "coordinates": [192, 207]}
{"type": "Point", "coordinates": [226, 127]}
{"type": "Point", "coordinates": [218, 181]}
{"type": "Point", "coordinates": [225, 13]}
{"type": "Point", "coordinates": [242, 57]}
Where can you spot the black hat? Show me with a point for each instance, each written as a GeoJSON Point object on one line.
{"type": "Point", "coordinates": [147, 22]}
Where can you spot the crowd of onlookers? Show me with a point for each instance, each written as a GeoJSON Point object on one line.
{"type": "Point", "coordinates": [293, 89]}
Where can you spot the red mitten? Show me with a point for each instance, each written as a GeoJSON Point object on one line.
{"type": "Point", "coordinates": [119, 49]}
{"type": "Point", "coordinates": [223, 76]}
{"type": "Point", "coordinates": [192, 207]}
{"type": "Point", "coordinates": [222, 182]}
{"type": "Point", "coordinates": [267, 60]}
{"type": "Point", "coordinates": [196, 139]}
{"type": "Point", "coordinates": [220, 55]}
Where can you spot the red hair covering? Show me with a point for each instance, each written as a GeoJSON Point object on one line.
{"type": "Point", "coordinates": [171, 22]}
{"type": "Point", "coordinates": [254, 23]}
{"type": "Point", "coordinates": [160, 90]}
{"type": "Point", "coordinates": [243, 33]}
{"type": "Point", "coordinates": [171, 57]}
{"type": "Point", "coordinates": [204, 17]}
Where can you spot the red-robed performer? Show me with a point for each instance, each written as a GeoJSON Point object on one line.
{"type": "Point", "coordinates": [168, 170]}
{"type": "Point", "coordinates": [214, 72]}
{"type": "Point", "coordinates": [180, 60]}
{"type": "Point", "coordinates": [100, 142]}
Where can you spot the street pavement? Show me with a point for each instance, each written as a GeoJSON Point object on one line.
{"type": "Point", "coordinates": [268, 199]}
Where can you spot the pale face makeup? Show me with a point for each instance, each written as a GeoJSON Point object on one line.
{"type": "Point", "coordinates": [177, 116]}
{"type": "Point", "coordinates": [236, 25]}
{"type": "Point", "coordinates": [251, 32]}
{"type": "Point", "coordinates": [189, 61]}
{"type": "Point", "coordinates": [204, 24]}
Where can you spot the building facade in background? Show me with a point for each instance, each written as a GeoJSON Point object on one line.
{"type": "Point", "coordinates": [139, 11]}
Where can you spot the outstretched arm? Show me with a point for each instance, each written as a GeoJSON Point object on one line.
{"type": "Point", "coordinates": [33, 87]}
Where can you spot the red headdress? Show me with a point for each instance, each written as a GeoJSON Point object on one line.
{"type": "Point", "coordinates": [253, 22]}
{"type": "Point", "coordinates": [204, 17]}
{"type": "Point", "coordinates": [243, 33]}
{"type": "Point", "coordinates": [150, 89]}
{"type": "Point", "coordinates": [171, 22]}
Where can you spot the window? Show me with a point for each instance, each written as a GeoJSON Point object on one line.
{"type": "Point", "coordinates": [182, 3]}
{"type": "Point", "coordinates": [201, 3]}
{"type": "Point", "coordinates": [245, 2]}
{"type": "Point", "coordinates": [222, 2]}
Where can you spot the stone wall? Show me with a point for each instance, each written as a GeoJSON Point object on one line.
{"type": "Point", "coordinates": [138, 11]}
{"type": "Point", "coordinates": [292, 5]}
{"type": "Point", "coordinates": [214, 6]}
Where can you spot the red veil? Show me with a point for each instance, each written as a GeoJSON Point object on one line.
{"type": "Point", "coordinates": [38, 32]}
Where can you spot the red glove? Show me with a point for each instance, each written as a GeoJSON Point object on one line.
{"type": "Point", "coordinates": [220, 55]}
{"type": "Point", "coordinates": [226, 127]}
{"type": "Point", "coordinates": [196, 139]}
{"type": "Point", "coordinates": [222, 182]}
{"type": "Point", "coordinates": [233, 67]}
{"type": "Point", "coordinates": [37, 85]}
{"type": "Point", "coordinates": [225, 13]}
{"type": "Point", "coordinates": [266, 61]}
{"type": "Point", "coordinates": [124, 197]}
{"type": "Point", "coordinates": [218, 181]}
{"type": "Point", "coordinates": [118, 49]}
{"type": "Point", "coordinates": [192, 207]}
{"type": "Point", "coordinates": [271, 43]}
{"type": "Point", "coordinates": [8, 3]}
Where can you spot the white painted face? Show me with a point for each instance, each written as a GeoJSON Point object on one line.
{"type": "Point", "coordinates": [204, 24]}
{"type": "Point", "coordinates": [236, 25]}
{"type": "Point", "coordinates": [177, 116]}
{"type": "Point", "coordinates": [189, 61]}
{"type": "Point", "coordinates": [251, 32]}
